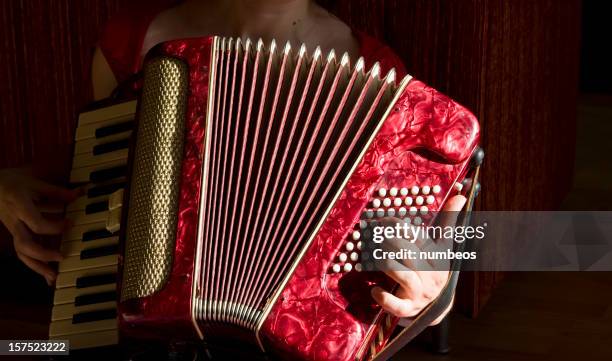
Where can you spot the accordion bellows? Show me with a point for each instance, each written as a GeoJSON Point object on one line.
{"type": "Point", "coordinates": [251, 166]}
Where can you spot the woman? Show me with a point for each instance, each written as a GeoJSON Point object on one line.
{"type": "Point", "coordinates": [119, 55]}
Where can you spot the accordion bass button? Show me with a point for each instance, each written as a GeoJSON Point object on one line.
{"type": "Point", "coordinates": [404, 191]}
{"type": "Point", "coordinates": [426, 190]}
{"type": "Point", "coordinates": [358, 267]}
{"type": "Point", "coordinates": [382, 192]}
{"type": "Point", "coordinates": [387, 202]}
{"type": "Point", "coordinates": [380, 212]}
{"type": "Point", "coordinates": [354, 256]}
{"type": "Point", "coordinates": [356, 235]}
{"type": "Point", "coordinates": [414, 190]}
{"type": "Point", "coordinates": [348, 267]}
{"type": "Point", "coordinates": [393, 192]}
{"type": "Point", "coordinates": [336, 268]}
{"type": "Point", "coordinates": [419, 200]}
{"type": "Point", "coordinates": [391, 212]}
{"type": "Point", "coordinates": [408, 201]}
{"type": "Point", "coordinates": [359, 245]}
{"type": "Point", "coordinates": [376, 203]}
{"type": "Point", "coordinates": [397, 202]}
{"type": "Point", "coordinates": [430, 200]}
{"type": "Point", "coordinates": [369, 213]}
{"type": "Point", "coordinates": [350, 246]}
{"type": "Point", "coordinates": [436, 189]}
{"type": "Point", "coordinates": [342, 257]}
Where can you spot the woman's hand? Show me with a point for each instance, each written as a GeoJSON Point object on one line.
{"type": "Point", "coordinates": [26, 204]}
{"type": "Point", "coordinates": [419, 284]}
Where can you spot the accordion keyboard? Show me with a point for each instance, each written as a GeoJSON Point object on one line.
{"type": "Point", "coordinates": [84, 304]}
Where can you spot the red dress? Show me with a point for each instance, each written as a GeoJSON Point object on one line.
{"type": "Point", "coordinates": [122, 41]}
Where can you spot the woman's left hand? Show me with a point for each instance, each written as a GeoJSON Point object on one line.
{"type": "Point", "coordinates": [418, 284]}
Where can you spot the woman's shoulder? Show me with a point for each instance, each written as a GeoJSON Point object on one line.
{"type": "Point", "coordinates": [123, 35]}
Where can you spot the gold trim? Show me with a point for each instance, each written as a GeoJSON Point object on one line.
{"type": "Point", "coordinates": [195, 303]}
{"type": "Point", "coordinates": [272, 300]}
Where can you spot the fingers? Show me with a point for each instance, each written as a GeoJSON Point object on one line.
{"type": "Point", "coordinates": [39, 267]}
{"type": "Point", "coordinates": [30, 215]}
{"type": "Point", "coordinates": [26, 246]}
{"type": "Point", "coordinates": [50, 207]}
{"type": "Point", "coordinates": [55, 192]}
{"type": "Point", "coordinates": [395, 305]}
{"type": "Point", "coordinates": [451, 210]}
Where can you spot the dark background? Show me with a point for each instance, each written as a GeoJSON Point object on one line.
{"type": "Point", "coordinates": [534, 72]}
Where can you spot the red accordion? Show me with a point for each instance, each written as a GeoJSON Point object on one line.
{"type": "Point", "coordinates": [249, 171]}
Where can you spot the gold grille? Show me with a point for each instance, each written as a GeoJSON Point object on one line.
{"type": "Point", "coordinates": [154, 187]}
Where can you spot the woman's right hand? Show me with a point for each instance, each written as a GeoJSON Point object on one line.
{"type": "Point", "coordinates": [25, 206]}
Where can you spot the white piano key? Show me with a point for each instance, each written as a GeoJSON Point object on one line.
{"type": "Point", "coordinates": [90, 339]}
{"type": "Point", "coordinates": [117, 111]}
{"type": "Point", "coordinates": [88, 159]}
{"type": "Point", "coordinates": [115, 200]}
{"type": "Point", "coordinates": [66, 311]}
{"type": "Point", "coordinates": [87, 145]}
{"type": "Point", "coordinates": [74, 248]}
{"type": "Point", "coordinates": [75, 263]}
{"type": "Point", "coordinates": [67, 295]}
{"type": "Point", "coordinates": [79, 218]}
{"type": "Point", "coordinates": [76, 232]}
{"type": "Point", "coordinates": [81, 175]}
{"type": "Point", "coordinates": [66, 327]}
{"type": "Point", "coordinates": [68, 279]}
{"type": "Point", "coordinates": [113, 220]}
{"type": "Point", "coordinates": [80, 203]}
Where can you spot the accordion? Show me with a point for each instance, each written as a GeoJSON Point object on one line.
{"type": "Point", "coordinates": [224, 206]}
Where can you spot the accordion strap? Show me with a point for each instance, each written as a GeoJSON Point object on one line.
{"type": "Point", "coordinates": [443, 301]}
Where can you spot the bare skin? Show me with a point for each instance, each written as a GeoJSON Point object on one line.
{"type": "Point", "coordinates": [297, 21]}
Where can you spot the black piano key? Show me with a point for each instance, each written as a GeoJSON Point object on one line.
{"type": "Point", "coordinates": [111, 146]}
{"type": "Point", "coordinates": [114, 129]}
{"type": "Point", "coordinates": [96, 280]}
{"type": "Point", "coordinates": [94, 315]}
{"type": "Point", "coordinates": [103, 175]}
{"type": "Point", "coordinates": [96, 234]}
{"type": "Point", "coordinates": [100, 251]}
{"type": "Point", "coordinates": [92, 298]}
{"type": "Point", "coordinates": [96, 207]}
{"type": "Point", "coordinates": [105, 189]}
